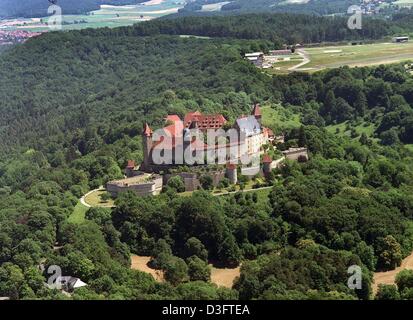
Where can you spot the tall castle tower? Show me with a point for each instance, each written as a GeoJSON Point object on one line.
{"type": "Point", "coordinates": [256, 112]}
{"type": "Point", "coordinates": [147, 146]}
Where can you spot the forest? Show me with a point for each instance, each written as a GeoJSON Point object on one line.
{"type": "Point", "coordinates": [318, 7]}
{"type": "Point", "coordinates": [281, 28]}
{"type": "Point", "coordinates": [73, 105]}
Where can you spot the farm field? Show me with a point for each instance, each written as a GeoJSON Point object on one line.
{"type": "Point", "coordinates": [107, 16]}
{"type": "Point", "coordinates": [214, 6]}
{"type": "Point", "coordinates": [404, 3]}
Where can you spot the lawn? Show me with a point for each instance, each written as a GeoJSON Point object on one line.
{"type": "Point", "coordinates": [358, 55]}
{"type": "Point", "coordinates": [279, 117]}
{"type": "Point", "coordinates": [409, 147]}
{"type": "Point", "coordinates": [94, 199]}
{"type": "Point", "coordinates": [367, 128]}
{"type": "Point", "coordinates": [78, 214]}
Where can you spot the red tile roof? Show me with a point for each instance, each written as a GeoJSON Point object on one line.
{"type": "Point", "coordinates": [131, 164]}
{"type": "Point", "coordinates": [147, 131]}
{"type": "Point", "coordinates": [231, 166]}
{"type": "Point", "coordinates": [266, 159]}
{"type": "Point", "coordinates": [256, 111]}
{"type": "Point", "coordinates": [204, 122]}
{"type": "Point", "coordinates": [172, 118]}
{"type": "Point", "coordinates": [268, 132]}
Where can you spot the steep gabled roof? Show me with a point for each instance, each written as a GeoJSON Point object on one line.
{"type": "Point", "coordinates": [131, 164]}
{"type": "Point", "coordinates": [256, 111]}
{"type": "Point", "coordinates": [172, 118]}
{"type": "Point", "coordinates": [266, 159]}
{"type": "Point", "coordinates": [249, 125]}
{"type": "Point", "coordinates": [147, 131]}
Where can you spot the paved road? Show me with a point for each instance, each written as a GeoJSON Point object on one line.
{"type": "Point", "coordinates": [82, 199]}
{"type": "Point", "coordinates": [306, 59]}
{"type": "Point", "coordinates": [249, 190]}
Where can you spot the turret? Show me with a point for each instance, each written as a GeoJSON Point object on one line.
{"type": "Point", "coordinates": [266, 164]}
{"type": "Point", "coordinates": [256, 112]}
{"type": "Point", "coordinates": [147, 146]}
{"type": "Point", "coordinates": [130, 167]}
{"type": "Point", "coordinates": [231, 173]}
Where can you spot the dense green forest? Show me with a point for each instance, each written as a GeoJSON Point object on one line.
{"type": "Point", "coordinates": [280, 28]}
{"type": "Point", "coordinates": [73, 105]}
{"type": "Point", "coordinates": [319, 7]}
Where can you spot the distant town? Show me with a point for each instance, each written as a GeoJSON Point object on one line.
{"type": "Point", "coordinates": [12, 37]}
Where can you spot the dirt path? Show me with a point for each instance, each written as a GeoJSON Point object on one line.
{"type": "Point", "coordinates": [224, 277]}
{"type": "Point", "coordinates": [389, 277]}
{"type": "Point", "coordinates": [221, 277]}
{"type": "Point", "coordinates": [141, 263]}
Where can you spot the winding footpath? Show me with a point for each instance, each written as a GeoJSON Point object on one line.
{"type": "Point", "coordinates": [82, 199]}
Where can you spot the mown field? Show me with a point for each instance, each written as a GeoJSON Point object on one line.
{"type": "Point", "coordinates": [358, 55]}
{"type": "Point", "coordinates": [348, 55]}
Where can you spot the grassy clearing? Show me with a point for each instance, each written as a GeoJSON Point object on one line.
{"type": "Point", "coordinates": [279, 117]}
{"type": "Point", "coordinates": [94, 199]}
{"type": "Point", "coordinates": [409, 147]}
{"type": "Point", "coordinates": [367, 128]}
{"type": "Point", "coordinates": [78, 215]}
{"type": "Point", "coordinates": [359, 55]}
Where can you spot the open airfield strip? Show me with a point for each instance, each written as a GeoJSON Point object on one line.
{"type": "Point", "coordinates": [319, 58]}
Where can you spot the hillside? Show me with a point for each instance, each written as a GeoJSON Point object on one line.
{"type": "Point", "coordinates": [319, 7]}
{"type": "Point", "coordinates": [281, 28]}
{"type": "Point", "coordinates": [110, 76]}
{"type": "Point", "coordinates": [73, 105]}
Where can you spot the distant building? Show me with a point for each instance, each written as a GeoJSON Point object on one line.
{"type": "Point", "coordinates": [266, 162]}
{"type": "Point", "coordinates": [257, 58]}
{"type": "Point", "coordinates": [297, 154]}
{"type": "Point", "coordinates": [400, 39]}
{"type": "Point", "coordinates": [67, 284]}
{"type": "Point", "coordinates": [131, 169]}
{"type": "Point", "coordinates": [279, 52]}
{"type": "Point", "coordinates": [142, 184]}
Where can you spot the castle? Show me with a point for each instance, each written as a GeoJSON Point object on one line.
{"type": "Point", "coordinates": [178, 136]}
